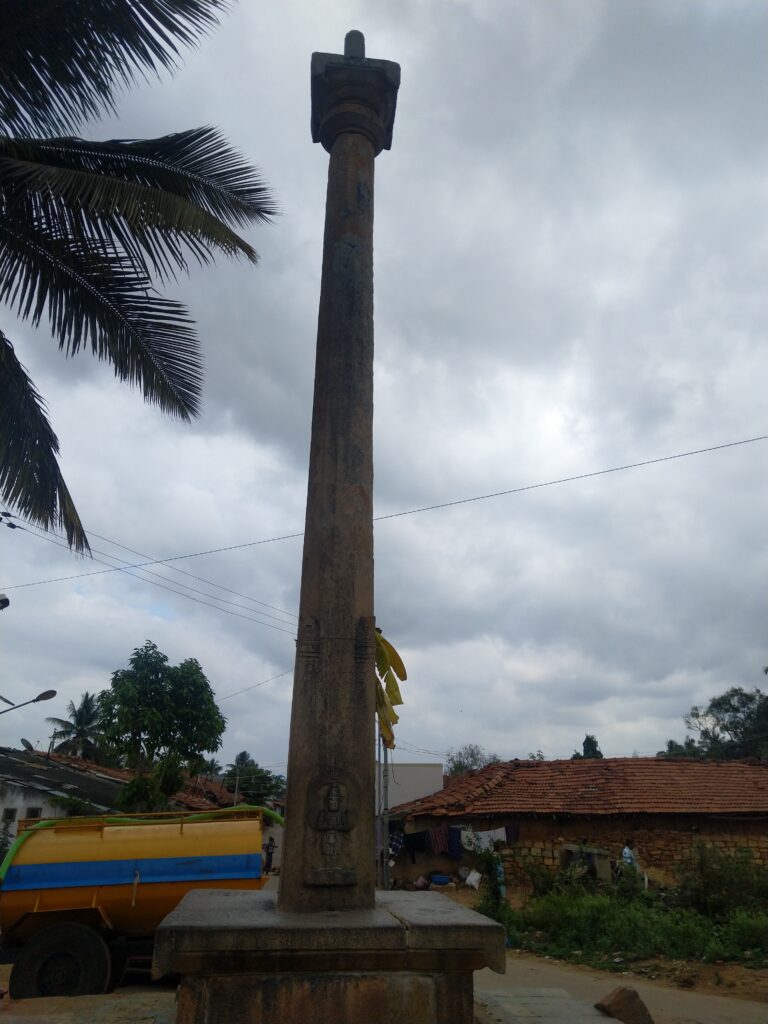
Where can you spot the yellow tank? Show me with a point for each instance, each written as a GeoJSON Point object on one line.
{"type": "Point", "coordinates": [115, 877]}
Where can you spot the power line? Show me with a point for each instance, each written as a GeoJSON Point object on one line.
{"type": "Point", "coordinates": [409, 512]}
{"type": "Point", "coordinates": [409, 748]}
{"type": "Point", "coordinates": [195, 590]}
{"type": "Point", "coordinates": [570, 479]}
{"type": "Point", "coordinates": [191, 575]}
{"type": "Point", "coordinates": [253, 687]}
{"type": "Point", "coordinates": [163, 586]}
{"type": "Point", "coordinates": [153, 561]}
{"type": "Point", "coordinates": [141, 566]}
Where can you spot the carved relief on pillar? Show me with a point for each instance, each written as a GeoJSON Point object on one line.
{"type": "Point", "coordinates": [332, 804]}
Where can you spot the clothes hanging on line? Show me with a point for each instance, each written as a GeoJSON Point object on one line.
{"type": "Point", "coordinates": [438, 839]}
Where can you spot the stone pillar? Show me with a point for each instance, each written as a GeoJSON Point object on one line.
{"type": "Point", "coordinates": [331, 949]}
{"type": "Point", "coordinates": [329, 849]}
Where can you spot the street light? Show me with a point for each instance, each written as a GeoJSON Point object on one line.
{"type": "Point", "coordinates": [45, 695]}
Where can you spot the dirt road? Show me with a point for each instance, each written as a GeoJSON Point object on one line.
{"type": "Point", "coordinates": [667, 1005]}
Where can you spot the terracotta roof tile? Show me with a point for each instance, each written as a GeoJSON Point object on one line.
{"type": "Point", "coordinates": [613, 785]}
{"type": "Point", "coordinates": [198, 794]}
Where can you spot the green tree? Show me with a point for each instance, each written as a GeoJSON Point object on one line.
{"type": "Point", "coordinates": [688, 748]}
{"type": "Point", "coordinates": [256, 784]}
{"type": "Point", "coordinates": [155, 711]}
{"type": "Point", "coordinates": [590, 748]}
{"type": "Point", "coordinates": [86, 228]}
{"type": "Point", "coordinates": [153, 790]}
{"type": "Point", "coordinates": [81, 735]}
{"type": "Point", "coordinates": [468, 758]}
{"type": "Point", "coordinates": [207, 766]}
{"type": "Point", "coordinates": [730, 726]}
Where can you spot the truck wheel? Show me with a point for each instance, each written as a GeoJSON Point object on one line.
{"type": "Point", "coordinates": [118, 954]}
{"type": "Point", "coordinates": [62, 960]}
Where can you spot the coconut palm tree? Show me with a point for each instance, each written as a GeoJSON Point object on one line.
{"type": "Point", "coordinates": [81, 734]}
{"type": "Point", "coordinates": [86, 228]}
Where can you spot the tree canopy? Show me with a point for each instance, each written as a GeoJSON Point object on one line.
{"type": "Point", "coordinates": [730, 726]}
{"type": "Point", "coordinates": [155, 710]}
{"type": "Point", "coordinates": [87, 228]}
{"type": "Point", "coordinates": [590, 748]}
{"type": "Point", "coordinates": [256, 784]}
{"type": "Point", "coordinates": [467, 758]}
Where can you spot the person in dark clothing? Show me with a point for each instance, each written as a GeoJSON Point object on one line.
{"type": "Point", "coordinates": [269, 850]}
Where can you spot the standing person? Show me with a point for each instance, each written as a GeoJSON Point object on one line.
{"type": "Point", "coordinates": [628, 858]}
{"type": "Point", "coordinates": [269, 849]}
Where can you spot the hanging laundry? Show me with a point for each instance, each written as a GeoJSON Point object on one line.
{"type": "Point", "coordinates": [438, 838]}
{"type": "Point", "coordinates": [415, 842]}
{"type": "Point", "coordinates": [455, 847]}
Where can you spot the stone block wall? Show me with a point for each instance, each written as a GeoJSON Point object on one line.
{"type": "Point", "coordinates": [663, 843]}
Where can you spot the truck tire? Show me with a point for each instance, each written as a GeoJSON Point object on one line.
{"type": "Point", "coordinates": [62, 960]}
{"type": "Point", "coordinates": [118, 955]}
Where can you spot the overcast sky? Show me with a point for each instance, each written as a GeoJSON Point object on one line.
{"type": "Point", "coordinates": [570, 254]}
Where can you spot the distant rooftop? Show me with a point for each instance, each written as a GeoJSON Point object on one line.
{"type": "Point", "coordinates": [612, 785]}
{"type": "Point", "coordinates": [62, 775]}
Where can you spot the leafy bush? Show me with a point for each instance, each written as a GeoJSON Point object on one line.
{"type": "Point", "coordinates": [745, 931]}
{"type": "Point", "coordinates": [719, 911]}
{"type": "Point", "coordinates": [542, 881]}
{"type": "Point", "coordinates": [604, 924]}
{"type": "Point", "coordinates": [513, 921]}
{"type": "Point", "coordinates": [715, 884]}
{"type": "Point", "coordinates": [74, 806]}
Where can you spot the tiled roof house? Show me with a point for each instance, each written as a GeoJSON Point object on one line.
{"type": "Point", "coordinates": [549, 809]}
{"type": "Point", "coordinates": [38, 785]}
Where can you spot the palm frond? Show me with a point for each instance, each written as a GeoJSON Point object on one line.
{"type": "Point", "coordinates": [198, 165]}
{"type": "Point", "coordinates": [62, 61]}
{"type": "Point", "coordinates": [30, 478]}
{"type": "Point", "coordinates": [63, 727]}
{"type": "Point", "coordinates": [118, 196]}
{"type": "Point", "coordinates": [95, 297]}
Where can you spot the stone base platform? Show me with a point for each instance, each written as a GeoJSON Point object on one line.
{"type": "Point", "coordinates": [407, 961]}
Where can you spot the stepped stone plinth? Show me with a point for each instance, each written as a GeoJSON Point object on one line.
{"type": "Point", "coordinates": [409, 959]}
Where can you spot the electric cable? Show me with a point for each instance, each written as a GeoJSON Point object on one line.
{"type": "Point", "coordinates": [408, 512]}
{"type": "Point", "coordinates": [42, 531]}
{"type": "Point", "coordinates": [254, 685]}
{"type": "Point", "coordinates": [191, 575]}
{"type": "Point", "coordinates": [163, 586]}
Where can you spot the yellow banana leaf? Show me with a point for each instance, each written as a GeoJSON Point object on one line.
{"type": "Point", "coordinates": [392, 689]}
{"type": "Point", "coordinates": [384, 707]}
{"type": "Point", "coordinates": [393, 658]}
{"type": "Point", "coordinates": [387, 736]}
{"type": "Point", "coordinates": [382, 658]}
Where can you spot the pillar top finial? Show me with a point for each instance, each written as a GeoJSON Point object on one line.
{"type": "Point", "coordinates": [354, 44]}
{"type": "Point", "coordinates": [353, 93]}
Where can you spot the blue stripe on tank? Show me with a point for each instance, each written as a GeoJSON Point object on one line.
{"type": "Point", "coordinates": [123, 872]}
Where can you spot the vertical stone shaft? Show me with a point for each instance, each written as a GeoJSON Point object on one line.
{"type": "Point", "coordinates": [332, 719]}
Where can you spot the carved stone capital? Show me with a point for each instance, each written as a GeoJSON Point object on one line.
{"type": "Point", "coordinates": [353, 93]}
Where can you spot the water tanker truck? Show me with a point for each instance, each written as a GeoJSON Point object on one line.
{"type": "Point", "coordinates": [79, 895]}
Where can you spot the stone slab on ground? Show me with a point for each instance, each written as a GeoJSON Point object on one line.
{"type": "Point", "coordinates": [532, 1005]}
